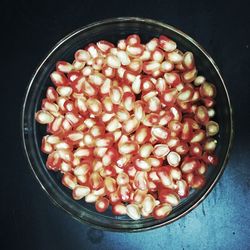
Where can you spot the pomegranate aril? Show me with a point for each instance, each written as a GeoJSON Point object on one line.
{"type": "Point", "coordinates": [90, 122]}
{"type": "Point", "coordinates": [182, 188]}
{"type": "Point", "coordinates": [113, 125]}
{"type": "Point", "coordinates": [127, 125]}
{"type": "Point", "coordinates": [159, 132]}
{"type": "Point", "coordinates": [49, 106]}
{"type": "Point", "coordinates": [188, 60]}
{"type": "Point", "coordinates": [153, 105]}
{"type": "Point", "coordinates": [186, 94]}
{"type": "Point", "coordinates": [104, 46]}
{"type": "Point", "coordinates": [109, 157]}
{"type": "Point", "coordinates": [175, 126]}
{"type": "Point", "coordinates": [155, 162]}
{"type": "Point", "coordinates": [166, 66]}
{"type": "Point", "coordinates": [89, 89]}
{"type": "Point", "coordinates": [53, 161]}
{"type": "Point", "coordinates": [88, 140]}
{"type": "Point", "coordinates": [63, 145]}
{"type": "Point", "coordinates": [100, 151]}
{"type": "Point", "coordinates": [119, 209]}
{"type": "Point", "coordinates": [142, 164]}
{"type": "Point", "coordinates": [207, 90]}
{"type": "Point", "coordinates": [149, 95]}
{"type": "Point", "coordinates": [199, 80]}
{"type": "Point", "coordinates": [46, 147]}
{"type": "Point", "coordinates": [173, 159]}
{"type": "Point", "coordinates": [177, 115]}
{"type": "Point", "coordinates": [130, 125]}
{"type": "Point", "coordinates": [167, 44]}
{"type": "Point", "coordinates": [129, 77]}
{"type": "Point", "coordinates": [152, 44]}
{"type": "Point", "coordinates": [133, 40]}
{"type": "Point", "coordinates": [133, 211]}
{"type": "Point", "coordinates": [160, 85]}
{"type": "Point", "coordinates": [44, 117]}
{"type": "Point", "coordinates": [65, 167]}
{"type": "Point", "coordinates": [212, 128]}
{"type": "Point", "coordinates": [150, 66]}
{"type": "Point", "coordinates": [175, 56]}
{"type": "Point", "coordinates": [123, 139]}
{"type": "Point", "coordinates": [145, 150]}
{"type": "Point", "coordinates": [165, 118]}
{"type": "Point", "coordinates": [146, 55]}
{"type": "Point", "coordinates": [65, 155]}
{"type": "Point", "coordinates": [102, 204]}
{"type": "Point", "coordinates": [148, 204]}
{"type": "Point", "coordinates": [113, 61]}
{"type": "Point", "coordinates": [116, 95]}
{"type": "Point", "coordinates": [93, 50]}
{"type": "Point", "coordinates": [91, 198]}
{"type": "Point", "coordinates": [135, 50]}
{"type": "Point", "coordinates": [198, 136]}
{"type": "Point", "coordinates": [202, 169]}
{"type": "Point", "coordinates": [75, 137]}
{"type": "Point", "coordinates": [56, 125]}
{"type": "Point", "coordinates": [69, 181]}
{"type": "Point", "coordinates": [161, 150]}
{"type": "Point", "coordinates": [161, 211]}
{"type": "Point", "coordinates": [87, 71]}
{"type": "Point", "coordinates": [168, 97]}
{"type": "Point", "coordinates": [175, 173]}
{"type": "Point", "coordinates": [95, 181]}
{"type": "Point", "coordinates": [189, 177]}
{"type": "Point", "coordinates": [123, 160]}
{"type": "Point", "coordinates": [135, 66]}
{"type": "Point", "coordinates": [110, 185]}
{"type": "Point", "coordinates": [189, 165]}
{"type": "Point", "coordinates": [169, 196]}
{"type": "Point", "coordinates": [138, 196]}
{"type": "Point", "coordinates": [128, 148]}
{"type": "Point", "coordinates": [124, 192]}
{"type": "Point", "coordinates": [80, 191]}
{"type": "Point", "coordinates": [82, 56]}
{"type": "Point", "coordinates": [187, 131]}
{"type": "Point", "coordinates": [96, 79]}
{"type": "Point", "coordinates": [165, 178]}
{"type": "Point", "coordinates": [142, 135]}
{"type": "Point", "coordinates": [195, 149]}
{"type": "Point", "coordinates": [157, 55]}
{"type": "Point", "coordinates": [58, 78]}
{"type": "Point", "coordinates": [82, 169]}
{"type": "Point", "coordinates": [208, 102]}
{"type": "Point", "coordinates": [141, 180]}
{"type": "Point", "coordinates": [94, 106]}
{"type": "Point", "coordinates": [189, 76]}
{"type": "Point", "coordinates": [122, 179]}
{"type": "Point", "coordinates": [78, 65]}
{"type": "Point", "coordinates": [99, 192]}
{"type": "Point", "coordinates": [51, 94]}
{"type": "Point", "coordinates": [83, 152]}
{"type": "Point", "coordinates": [210, 145]}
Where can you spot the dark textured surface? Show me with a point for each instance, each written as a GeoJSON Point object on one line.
{"type": "Point", "coordinates": [29, 220]}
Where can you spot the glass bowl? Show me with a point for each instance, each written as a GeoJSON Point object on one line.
{"type": "Point", "coordinates": [32, 132]}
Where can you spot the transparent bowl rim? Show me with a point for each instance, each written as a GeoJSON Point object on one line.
{"type": "Point", "coordinates": [141, 20]}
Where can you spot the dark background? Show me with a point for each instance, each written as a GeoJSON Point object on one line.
{"type": "Point", "coordinates": [28, 219]}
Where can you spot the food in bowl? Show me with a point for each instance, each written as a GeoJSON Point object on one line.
{"type": "Point", "coordinates": [129, 126]}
